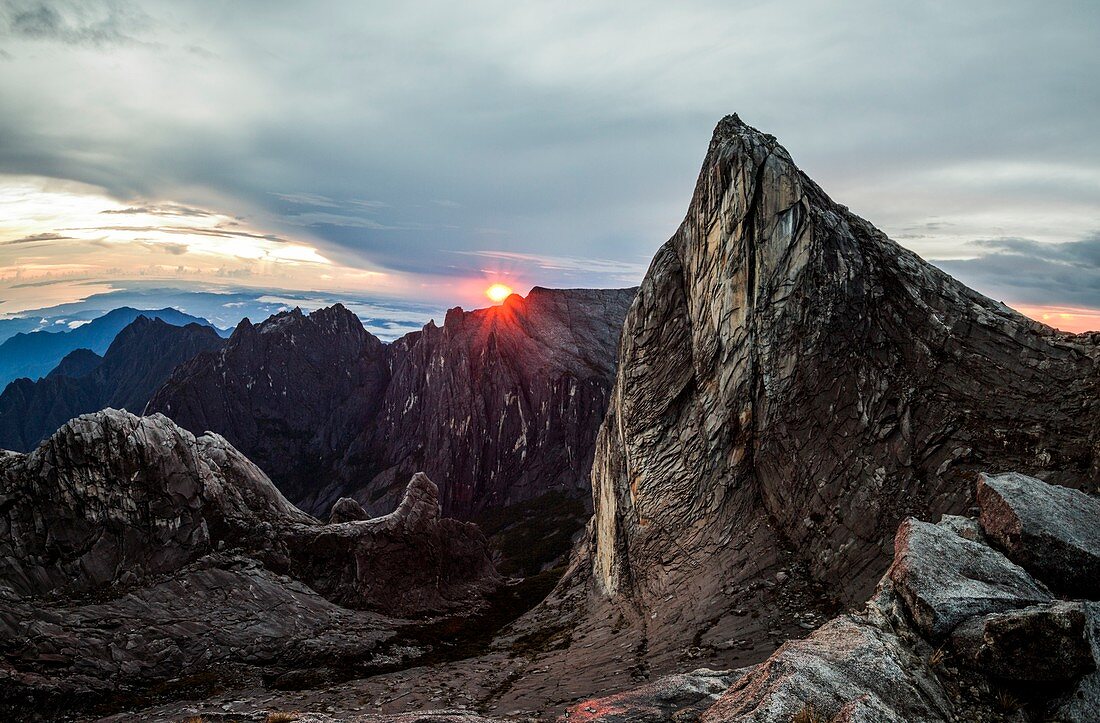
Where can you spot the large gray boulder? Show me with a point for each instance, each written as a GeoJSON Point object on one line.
{"type": "Point", "coordinates": [944, 578]}
{"type": "Point", "coordinates": [1042, 643]}
{"type": "Point", "coordinates": [671, 698]}
{"type": "Point", "coordinates": [1052, 531]}
{"type": "Point", "coordinates": [847, 668]}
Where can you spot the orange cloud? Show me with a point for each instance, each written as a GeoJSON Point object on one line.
{"type": "Point", "coordinates": [1066, 318]}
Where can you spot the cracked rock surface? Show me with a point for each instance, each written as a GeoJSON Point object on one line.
{"type": "Point", "coordinates": [790, 379]}
{"type": "Point", "coordinates": [1031, 663]}
{"type": "Point", "coordinates": [134, 554]}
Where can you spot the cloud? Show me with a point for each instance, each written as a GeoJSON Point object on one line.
{"type": "Point", "coordinates": [86, 22]}
{"type": "Point", "coordinates": [594, 269]}
{"type": "Point", "coordinates": [1026, 272]}
{"type": "Point", "coordinates": [37, 238]}
{"type": "Point", "coordinates": [168, 209]}
{"type": "Point", "coordinates": [573, 130]}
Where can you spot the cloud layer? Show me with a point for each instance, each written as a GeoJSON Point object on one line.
{"type": "Point", "coordinates": [432, 143]}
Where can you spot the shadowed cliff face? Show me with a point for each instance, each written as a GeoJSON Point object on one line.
{"type": "Point", "coordinates": [292, 393]}
{"type": "Point", "coordinates": [792, 381]}
{"type": "Point", "coordinates": [503, 403]}
{"type": "Point", "coordinates": [499, 405]}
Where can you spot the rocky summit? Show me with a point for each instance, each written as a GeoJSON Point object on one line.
{"type": "Point", "coordinates": [792, 384]}
{"type": "Point", "coordinates": [498, 405]}
{"type": "Point", "coordinates": [135, 556]}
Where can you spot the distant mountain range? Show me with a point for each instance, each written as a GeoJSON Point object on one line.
{"type": "Point", "coordinates": [138, 361]}
{"type": "Point", "coordinates": [498, 405]}
{"type": "Point", "coordinates": [35, 354]}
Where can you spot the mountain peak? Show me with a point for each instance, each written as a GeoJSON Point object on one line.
{"type": "Point", "coordinates": [790, 377]}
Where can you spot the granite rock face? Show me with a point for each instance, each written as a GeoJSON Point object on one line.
{"type": "Point", "coordinates": [790, 380]}
{"type": "Point", "coordinates": [292, 393]}
{"type": "Point", "coordinates": [1052, 531]}
{"type": "Point", "coordinates": [498, 405]}
{"type": "Point", "coordinates": [885, 664]}
{"type": "Point", "coordinates": [132, 552]}
{"type": "Point", "coordinates": [945, 578]}
{"type": "Point", "coordinates": [1035, 644]}
{"type": "Point", "coordinates": [502, 403]}
{"type": "Point", "coordinates": [138, 361]}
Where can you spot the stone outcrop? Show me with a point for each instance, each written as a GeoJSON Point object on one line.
{"type": "Point", "coordinates": [1053, 531]}
{"type": "Point", "coordinates": [1043, 643]}
{"type": "Point", "coordinates": [499, 405]}
{"type": "Point", "coordinates": [884, 664]}
{"type": "Point", "coordinates": [292, 393]}
{"type": "Point", "coordinates": [945, 579]}
{"type": "Point", "coordinates": [791, 382]}
{"type": "Point", "coordinates": [138, 361]}
{"type": "Point", "coordinates": [133, 552]}
{"type": "Point", "coordinates": [678, 697]}
{"type": "Point", "coordinates": [405, 563]}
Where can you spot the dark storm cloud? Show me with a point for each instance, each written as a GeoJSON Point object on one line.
{"type": "Point", "coordinates": [1028, 272]}
{"type": "Point", "coordinates": [411, 137]}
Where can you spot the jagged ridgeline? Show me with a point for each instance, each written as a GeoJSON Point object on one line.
{"type": "Point", "coordinates": [499, 405]}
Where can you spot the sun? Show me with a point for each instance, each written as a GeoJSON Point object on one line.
{"type": "Point", "coordinates": [498, 293]}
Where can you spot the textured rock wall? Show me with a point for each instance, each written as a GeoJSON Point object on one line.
{"type": "Point", "coordinates": [503, 403]}
{"type": "Point", "coordinates": [292, 393]}
{"type": "Point", "coordinates": [791, 379]}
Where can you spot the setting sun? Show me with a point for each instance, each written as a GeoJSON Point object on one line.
{"type": "Point", "coordinates": [498, 292]}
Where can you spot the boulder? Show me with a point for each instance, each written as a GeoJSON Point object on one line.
{"type": "Point", "coordinates": [671, 698]}
{"type": "Point", "coordinates": [944, 579]}
{"type": "Point", "coordinates": [1042, 643]}
{"type": "Point", "coordinates": [847, 669]}
{"type": "Point", "coordinates": [1052, 531]}
{"type": "Point", "coordinates": [346, 509]}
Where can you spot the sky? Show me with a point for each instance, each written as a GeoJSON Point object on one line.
{"type": "Point", "coordinates": [411, 154]}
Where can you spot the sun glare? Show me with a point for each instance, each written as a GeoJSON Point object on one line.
{"type": "Point", "coordinates": [498, 293]}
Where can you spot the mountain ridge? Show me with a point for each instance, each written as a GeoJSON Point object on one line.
{"type": "Point", "coordinates": [139, 359]}
{"type": "Point", "coordinates": [34, 354]}
{"type": "Point", "coordinates": [548, 358]}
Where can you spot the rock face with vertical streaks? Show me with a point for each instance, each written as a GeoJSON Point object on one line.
{"type": "Point", "coordinates": [1006, 657]}
{"type": "Point", "coordinates": [791, 381]}
{"type": "Point", "coordinates": [293, 393]}
{"type": "Point", "coordinates": [503, 403]}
